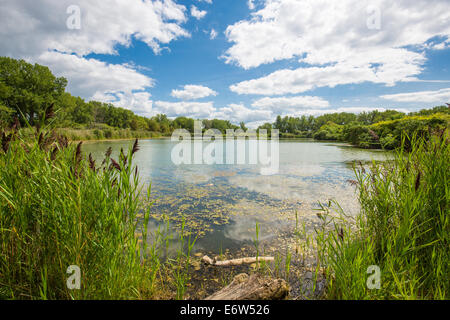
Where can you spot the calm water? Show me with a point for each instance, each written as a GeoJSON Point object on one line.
{"type": "Point", "coordinates": [222, 203]}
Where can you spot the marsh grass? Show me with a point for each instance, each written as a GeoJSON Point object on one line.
{"type": "Point", "coordinates": [403, 228]}
{"type": "Point", "coordinates": [60, 208]}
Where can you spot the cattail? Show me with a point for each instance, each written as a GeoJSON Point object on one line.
{"type": "Point", "coordinates": [78, 153]}
{"type": "Point", "coordinates": [16, 124]}
{"type": "Point", "coordinates": [136, 171]}
{"type": "Point", "coordinates": [6, 139]}
{"type": "Point", "coordinates": [108, 152]}
{"type": "Point", "coordinates": [123, 157]}
{"type": "Point", "coordinates": [53, 155]}
{"type": "Point", "coordinates": [416, 187]}
{"type": "Point", "coordinates": [49, 139]}
{"type": "Point", "coordinates": [135, 147]}
{"type": "Point", "coordinates": [41, 137]}
{"type": "Point", "coordinates": [114, 182]}
{"type": "Point", "coordinates": [91, 163]}
{"type": "Point", "coordinates": [115, 164]}
{"type": "Point", "coordinates": [341, 234]}
{"type": "Point", "coordinates": [78, 157]}
{"type": "Point", "coordinates": [362, 167]}
{"type": "Point", "coordinates": [49, 113]}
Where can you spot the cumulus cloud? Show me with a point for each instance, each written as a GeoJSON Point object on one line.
{"type": "Point", "coordinates": [104, 24]}
{"type": "Point", "coordinates": [189, 109]}
{"type": "Point", "coordinates": [138, 102]}
{"type": "Point", "coordinates": [290, 104]}
{"type": "Point", "coordinates": [300, 80]}
{"type": "Point", "coordinates": [196, 13]}
{"type": "Point", "coordinates": [39, 33]}
{"type": "Point", "coordinates": [438, 96]}
{"type": "Point", "coordinates": [239, 112]}
{"type": "Point", "coordinates": [335, 42]}
{"type": "Point", "coordinates": [89, 77]}
{"type": "Point", "coordinates": [191, 92]}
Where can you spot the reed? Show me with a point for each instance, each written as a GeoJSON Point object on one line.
{"type": "Point", "coordinates": [57, 210]}
{"type": "Point", "coordinates": [403, 228]}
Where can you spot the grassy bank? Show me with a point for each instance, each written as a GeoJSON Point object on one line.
{"type": "Point", "coordinates": [106, 134]}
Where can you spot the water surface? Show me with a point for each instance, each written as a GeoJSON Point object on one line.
{"type": "Point", "coordinates": [222, 203]}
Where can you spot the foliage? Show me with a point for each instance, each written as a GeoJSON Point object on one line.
{"type": "Point", "coordinates": [28, 89]}
{"type": "Point", "coordinates": [403, 228]}
{"type": "Point", "coordinates": [59, 209]}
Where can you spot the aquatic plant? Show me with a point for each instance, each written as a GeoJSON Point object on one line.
{"type": "Point", "coordinates": [402, 230]}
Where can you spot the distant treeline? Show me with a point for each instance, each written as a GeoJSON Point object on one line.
{"type": "Point", "coordinates": [373, 129]}
{"type": "Point", "coordinates": [27, 91]}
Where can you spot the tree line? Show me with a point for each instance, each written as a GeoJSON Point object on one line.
{"type": "Point", "coordinates": [27, 90]}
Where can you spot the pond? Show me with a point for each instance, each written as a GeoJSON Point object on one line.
{"type": "Point", "coordinates": [221, 204]}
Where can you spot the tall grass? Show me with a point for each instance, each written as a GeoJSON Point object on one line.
{"type": "Point", "coordinates": [403, 229]}
{"type": "Point", "coordinates": [59, 209]}
{"type": "Point", "coordinates": [109, 133]}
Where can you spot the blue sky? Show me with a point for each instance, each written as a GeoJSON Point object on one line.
{"type": "Point", "coordinates": [267, 57]}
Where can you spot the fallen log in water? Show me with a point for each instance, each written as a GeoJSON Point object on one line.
{"type": "Point", "coordinates": [235, 262]}
{"type": "Point", "coordinates": [254, 287]}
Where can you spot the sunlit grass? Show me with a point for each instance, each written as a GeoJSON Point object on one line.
{"type": "Point", "coordinates": [403, 228]}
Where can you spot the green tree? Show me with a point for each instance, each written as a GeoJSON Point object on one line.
{"type": "Point", "coordinates": [27, 88]}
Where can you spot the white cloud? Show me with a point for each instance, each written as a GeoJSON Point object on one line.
{"type": "Point", "coordinates": [213, 34]}
{"type": "Point", "coordinates": [96, 80]}
{"type": "Point", "coordinates": [191, 92]}
{"type": "Point", "coordinates": [290, 104]}
{"type": "Point", "coordinates": [138, 102]}
{"type": "Point", "coordinates": [39, 33]}
{"type": "Point", "coordinates": [238, 112]}
{"type": "Point", "coordinates": [334, 42]}
{"type": "Point", "coordinates": [30, 30]}
{"type": "Point", "coordinates": [88, 77]}
{"type": "Point", "coordinates": [189, 109]}
{"type": "Point", "coordinates": [438, 96]}
{"type": "Point", "coordinates": [207, 1]}
{"type": "Point", "coordinates": [299, 80]}
{"type": "Point", "coordinates": [197, 14]}
{"type": "Point", "coordinates": [250, 4]}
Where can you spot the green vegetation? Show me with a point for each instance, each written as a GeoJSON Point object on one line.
{"type": "Point", "coordinates": [403, 228]}
{"type": "Point", "coordinates": [366, 130]}
{"type": "Point", "coordinates": [27, 90]}
{"type": "Point", "coordinates": [59, 209]}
